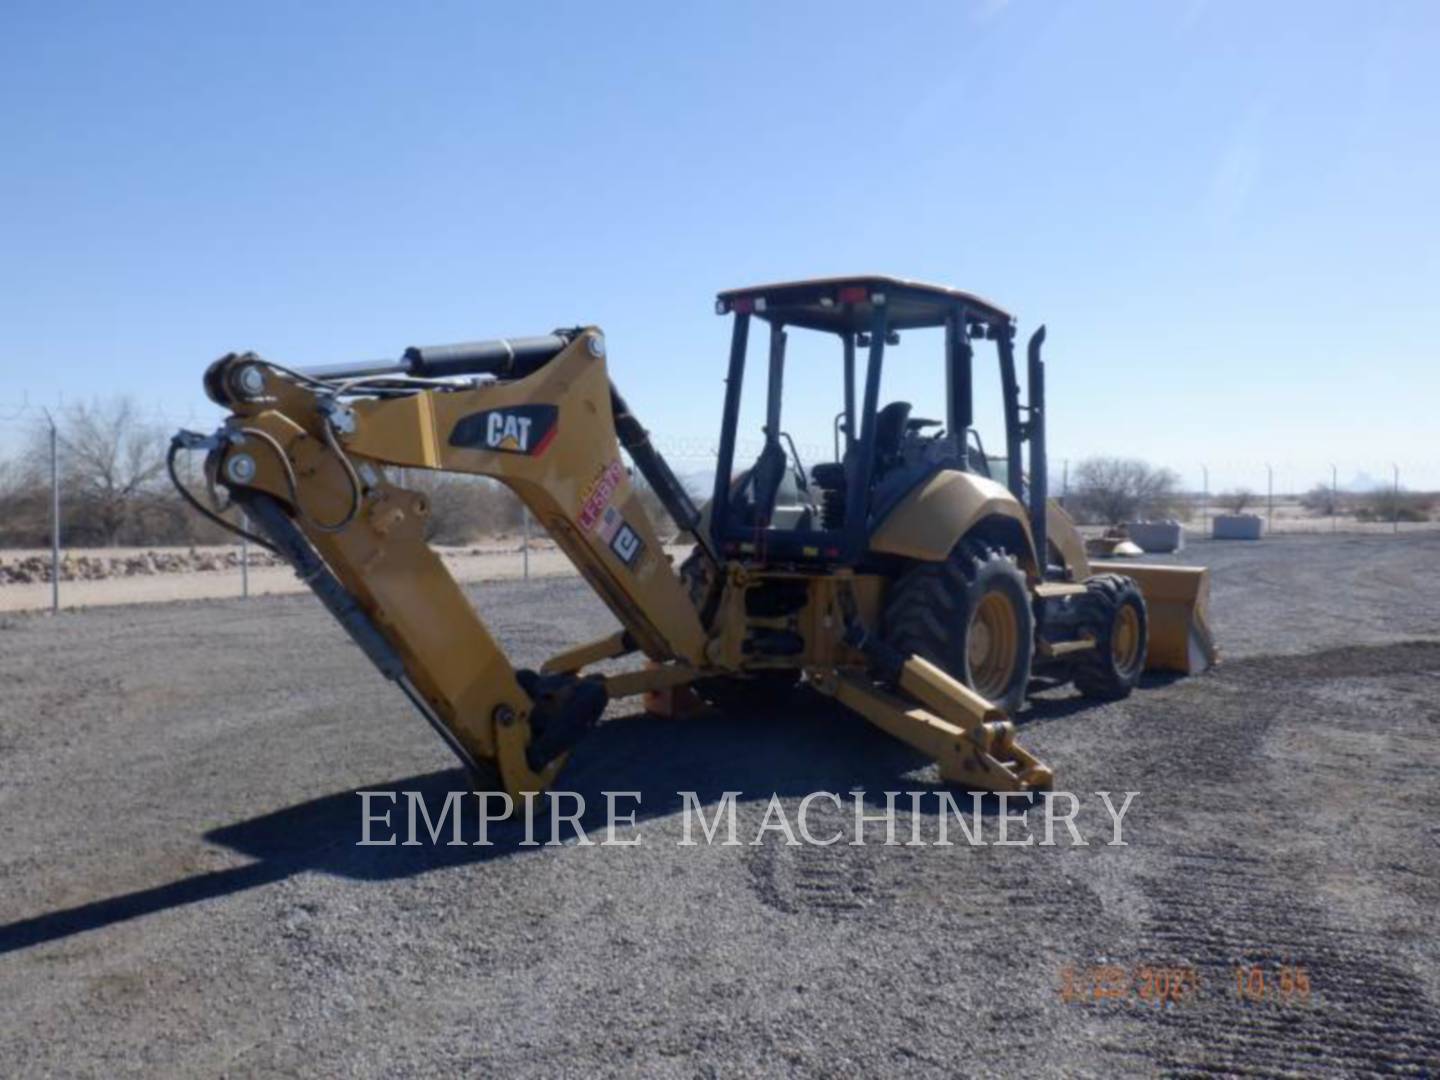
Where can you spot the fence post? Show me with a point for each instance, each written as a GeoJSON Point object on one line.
{"type": "Point", "coordinates": [1269, 498]}
{"type": "Point", "coordinates": [1205, 502]}
{"type": "Point", "coordinates": [525, 541]}
{"type": "Point", "coordinates": [1334, 499]}
{"type": "Point", "coordinates": [54, 515]}
{"type": "Point", "coordinates": [1395, 499]}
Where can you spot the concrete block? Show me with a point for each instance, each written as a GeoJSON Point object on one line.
{"type": "Point", "coordinates": [1157, 536]}
{"type": "Point", "coordinates": [1238, 526]}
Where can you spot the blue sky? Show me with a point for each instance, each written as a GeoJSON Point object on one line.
{"type": "Point", "coordinates": [1225, 212]}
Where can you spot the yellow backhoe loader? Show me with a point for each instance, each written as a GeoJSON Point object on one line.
{"type": "Point", "coordinates": [914, 579]}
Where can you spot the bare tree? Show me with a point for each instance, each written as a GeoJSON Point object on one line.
{"type": "Point", "coordinates": [1237, 500]}
{"type": "Point", "coordinates": [21, 522]}
{"type": "Point", "coordinates": [1112, 490]}
{"type": "Point", "coordinates": [13, 480]}
{"type": "Point", "coordinates": [110, 460]}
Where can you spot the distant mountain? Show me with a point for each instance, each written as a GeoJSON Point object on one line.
{"type": "Point", "coordinates": [1363, 483]}
{"type": "Point", "coordinates": [700, 483]}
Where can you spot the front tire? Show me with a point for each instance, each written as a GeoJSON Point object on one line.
{"type": "Point", "coordinates": [1114, 614]}
{"type": "Point", "coordinates": [971, 617]}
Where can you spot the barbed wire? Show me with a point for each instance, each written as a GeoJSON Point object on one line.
{"type": "Point", "coordinates": [1223, 472]}
{"type": "Point", "coordinates": [26, 411]}
{"type": "Point", "coordinates": [27, 416]}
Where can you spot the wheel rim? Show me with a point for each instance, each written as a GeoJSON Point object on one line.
{"type": "Point", "coordinates": [1125, 640]}
{"type": "Point", "coordinates": [994, 644]}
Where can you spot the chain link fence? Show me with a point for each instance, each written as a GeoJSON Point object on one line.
{"type": "Point", "coordinates": [1364, 496]}
{"type": "Point", "coordinates": [56, 475]}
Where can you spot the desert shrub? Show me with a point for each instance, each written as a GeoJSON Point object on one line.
{"type": "Point", "coordinates": [464, 509]}
{"type": "Point", "coordinates": [1396, 506]}
{"type": "Point", "coordinates": [1321, 500]}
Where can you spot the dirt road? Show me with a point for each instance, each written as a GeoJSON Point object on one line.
{"type": "Point", "coordinates": [181, 890]}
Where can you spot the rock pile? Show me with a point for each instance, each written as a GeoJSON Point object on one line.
{"type": "Point", "coordinates": [35, 569]}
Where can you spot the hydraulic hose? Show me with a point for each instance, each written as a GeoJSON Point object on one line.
{"type": "Point", "coordinates": [176, 445]}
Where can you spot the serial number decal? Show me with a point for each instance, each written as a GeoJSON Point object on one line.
{"type": "Point", "coordinates": [598, 493]}
{"type": "Point", "coordinates": [522, 429]}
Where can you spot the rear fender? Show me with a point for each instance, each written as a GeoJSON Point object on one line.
{"type": "Point", "coordinates": [929, 521]}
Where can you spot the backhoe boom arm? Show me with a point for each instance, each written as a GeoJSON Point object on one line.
{"type": "Point", "coordinates": [307, 458]}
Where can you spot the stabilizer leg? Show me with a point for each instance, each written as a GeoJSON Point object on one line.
{"type": "Point", "coordinates": [968, 737]}
{"type": "Point", "coordinates": [592, 652]}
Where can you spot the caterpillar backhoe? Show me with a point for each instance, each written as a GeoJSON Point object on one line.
{"type": "Point", "coordinates": [914, 579]}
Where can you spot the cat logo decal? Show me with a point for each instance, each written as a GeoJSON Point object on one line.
{"type": "Point", "coordinates": [523, 429]}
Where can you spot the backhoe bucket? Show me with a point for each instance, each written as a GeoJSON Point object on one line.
{"type": "Point", "coordinates": [1177, 598]}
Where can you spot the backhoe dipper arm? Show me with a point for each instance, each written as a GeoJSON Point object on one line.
{"type": "Point", "coordinates": [305, 456]}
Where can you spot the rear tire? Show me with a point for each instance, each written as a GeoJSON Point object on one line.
{"type": "Point", "coordinates": [971, 617]}
{"type": "Point", "coordinates": [1115, 615]}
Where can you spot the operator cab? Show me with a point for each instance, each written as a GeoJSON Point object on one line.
{"type": "Point", "coordinates": [776, 508]}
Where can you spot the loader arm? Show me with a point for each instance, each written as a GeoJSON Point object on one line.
{"type": "Point", "coordinates": [309, 464]}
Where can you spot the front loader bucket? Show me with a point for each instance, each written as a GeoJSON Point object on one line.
{"type": "Point", "coordinates": [1177, 598]}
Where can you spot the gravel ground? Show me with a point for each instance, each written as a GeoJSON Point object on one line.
{"type": "Point", "coordinates": [181, 892]}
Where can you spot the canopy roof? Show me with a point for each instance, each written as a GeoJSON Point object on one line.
{"type": "Point", "coordinates": [842, 304]}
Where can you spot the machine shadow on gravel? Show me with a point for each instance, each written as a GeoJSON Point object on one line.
{"type": "Point", "coordinates": [802, 744]}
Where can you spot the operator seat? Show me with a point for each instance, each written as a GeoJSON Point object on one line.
{"type": "Point", "coordinates": [890, 425]}
{"type": "Point", "coordinates": [832, 477]}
